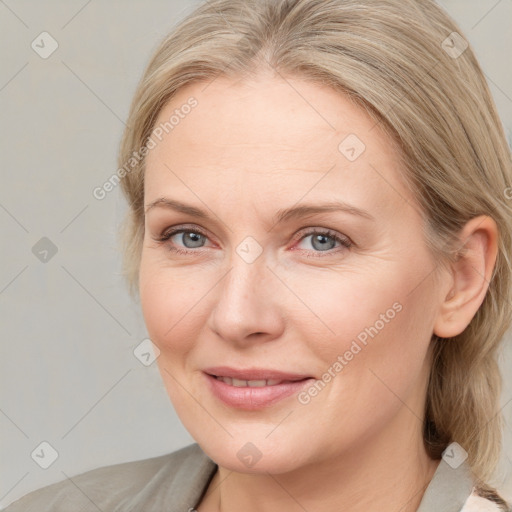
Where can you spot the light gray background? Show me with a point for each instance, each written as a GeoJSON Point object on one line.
{"type": "Point", "coordinates": [69, 328]}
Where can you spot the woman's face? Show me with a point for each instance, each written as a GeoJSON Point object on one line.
{"type": "Point", "coordinates": [298, 274]}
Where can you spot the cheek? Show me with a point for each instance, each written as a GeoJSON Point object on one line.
{"type": "Point", "coordinates": [337, 308]}
{"type": "Point", "coordinates": [171, 302]}
{"type": "Point", "coordinates": [368, 322]}
{"type": "Point", "coordinates": [377, 359]}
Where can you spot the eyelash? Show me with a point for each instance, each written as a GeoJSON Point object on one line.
{"type": "Point", "coordinates": [345, 242]}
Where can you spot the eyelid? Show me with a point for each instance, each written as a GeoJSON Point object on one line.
{"type": "Point", "coordinates": [171, 231]}
{"type": "Point", "coordinates": [345, 241]}
{"type": "Point", "coordinates": [326, 231]}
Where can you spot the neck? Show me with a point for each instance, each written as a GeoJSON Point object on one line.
{"type": "Point", "coordinates": [389, 472]}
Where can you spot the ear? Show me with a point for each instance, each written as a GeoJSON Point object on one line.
{"type": "Point", "coordinates": [470, 276]}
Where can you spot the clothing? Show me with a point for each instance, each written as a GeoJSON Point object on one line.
{"type": "Point", "coordinates": [176, 482]}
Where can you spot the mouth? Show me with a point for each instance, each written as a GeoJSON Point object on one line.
{"type": "Point", "coordinates": [254, 388]}
{"type": "Point", "coordinates": [241, 383]}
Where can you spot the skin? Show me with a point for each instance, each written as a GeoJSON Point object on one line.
{"type": "Point", "coordinates": [249, 149]}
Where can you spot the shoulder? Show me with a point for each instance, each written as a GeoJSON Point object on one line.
{"type": "Point", "coordinates": [148, 484]}
{"type": "Point", "coordinates": [485, 499]}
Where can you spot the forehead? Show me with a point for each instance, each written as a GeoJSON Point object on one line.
{"type": "Point", "coordinates": [273, 135]}
{"type": "Point", "coordinates": [271, 110]}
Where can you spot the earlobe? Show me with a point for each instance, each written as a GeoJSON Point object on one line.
{"type": "Point", "coordinates": [470, 276]}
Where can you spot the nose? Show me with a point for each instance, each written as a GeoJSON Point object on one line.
{"type": "Point", "coordinates": [248, 308]}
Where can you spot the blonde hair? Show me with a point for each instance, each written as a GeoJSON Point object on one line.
{"type": "Point", "coordinates": [402, 63]}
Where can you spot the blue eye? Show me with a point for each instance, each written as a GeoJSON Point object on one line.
{"type": "Point", "coordinates": [191, 239]}
{"type": "Point", "coordinates": [323, 240]}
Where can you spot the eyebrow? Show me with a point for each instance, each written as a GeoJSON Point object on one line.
{"type": "Point", "coordinates": [286, 214]}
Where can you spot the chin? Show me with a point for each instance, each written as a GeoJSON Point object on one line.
{"type": "Point", "coordinates": [260, 456]}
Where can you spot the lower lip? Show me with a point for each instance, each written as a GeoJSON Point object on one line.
{"type": "Point", "coordinates": [254, 398]}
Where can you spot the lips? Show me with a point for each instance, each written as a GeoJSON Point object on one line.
{"type": "Point", "coordinates": [253, 388]}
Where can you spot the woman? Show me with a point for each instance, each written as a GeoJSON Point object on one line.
{"type": "Point", "coordinates": [320, 235]}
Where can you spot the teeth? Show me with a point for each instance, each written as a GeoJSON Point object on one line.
{"type": "Point", "coordinates": [256, 383]}
{"type": "Point", "coordinates": [227, 380]}
{"type": "Point", "coordinates": [240, 383]}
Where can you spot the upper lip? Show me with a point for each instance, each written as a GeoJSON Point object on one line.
{"type": "Point", "coordinates": [254, 373]}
